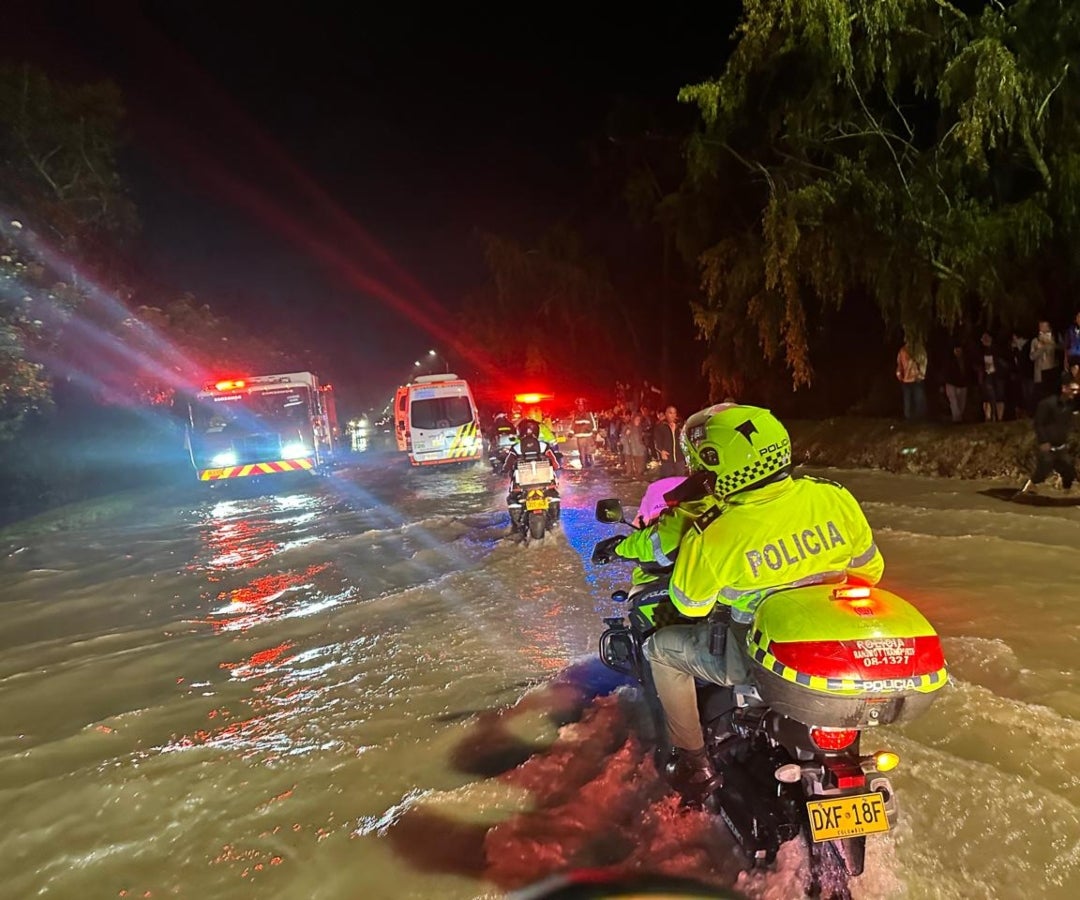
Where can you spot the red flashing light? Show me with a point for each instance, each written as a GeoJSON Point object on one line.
{"type": "Point", "coordinates": [233, 385]}
{"type": "Point", "coordinates": [532, 398]}
{"type": "Point", "coordinates": [834, 738]}
{"type": "Point", "coordinates": [851, 592]}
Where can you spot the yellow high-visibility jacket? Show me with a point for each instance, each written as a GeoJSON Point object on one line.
{"type": "Point", "coordinates": [794, 532]}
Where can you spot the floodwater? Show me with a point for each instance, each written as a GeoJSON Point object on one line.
{"type": "Point", "coordinates": [359, 686]}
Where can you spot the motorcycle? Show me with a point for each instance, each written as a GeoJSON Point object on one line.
{"type": "Point", "coordinates": [533, 496]}
{"type": "Point", "coordinates": [787, 745]}
{"type": "Point", "coordinates": [499, 443]}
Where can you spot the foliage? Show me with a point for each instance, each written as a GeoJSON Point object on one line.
{"type": "Point", "coordinates": [33, 306]}
{"type": "Point", "coordinates": [916, 154]}
{"type": "Point", "coordinates": [65, 216]}
{"type": "Point", "coordinates": [547, 308]}
{"type": "Point", "coordinates": [60, 200]}
{"type": "Point", "coordinates": [179, 346]}
{"type": "Point", "coordinates": [58, 147]}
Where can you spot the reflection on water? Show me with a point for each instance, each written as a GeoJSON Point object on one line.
{"type": "Point", "coordinates": [328, 693]}
{"type": "Point", "coordinates": [239, 534]}
{"type": "Point", "coordinates": [274, 596]}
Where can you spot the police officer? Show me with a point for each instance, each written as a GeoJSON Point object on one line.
{"type": "Point", "coordinates": [771, 532]}
{"type": "Point", "coordinates": [528, 446]}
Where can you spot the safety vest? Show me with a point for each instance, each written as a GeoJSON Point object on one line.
{"type": "Point", "coordinates": [791, 533]}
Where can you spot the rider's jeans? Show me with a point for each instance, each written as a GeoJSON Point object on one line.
{"type": "Point", "coordinates": [677, 655]}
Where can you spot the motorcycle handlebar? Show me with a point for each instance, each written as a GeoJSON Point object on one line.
{"type": "Point", "coordinates": [604, 551]}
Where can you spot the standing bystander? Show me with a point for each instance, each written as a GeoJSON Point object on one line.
{"type": "Point", "coordinates": [666, 439]}
{"type": "Point", "coordinates": [584, 427]}
{"type": "Point", "coordinates": [911, 373]}
{"type": "Point", "coordinates": [634, 442]}
{"type": "Point", "coordinates": [991, 374]}
{"type": "Point", "coordinates": [957, 379]}
{"type": "Point", "coordinates": [1021, 375]}
{"type": "Point", "coordinates": [1045, 368]}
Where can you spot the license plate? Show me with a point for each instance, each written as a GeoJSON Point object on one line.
{"type": "Point", "coordinates": [531, 505]}
{"type": "Point", "coordinates": [845, 817]}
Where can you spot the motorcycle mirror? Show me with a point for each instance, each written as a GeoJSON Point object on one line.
{"type": "Point", "coordinates": [609, 511]}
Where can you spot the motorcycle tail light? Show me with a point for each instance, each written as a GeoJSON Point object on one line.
{"type": "Point", "coordinates": [885, 760]}
{"type": "Point", "coordinates": [834, 738]}
{"type": "Point", "coordinates": [851, 592]}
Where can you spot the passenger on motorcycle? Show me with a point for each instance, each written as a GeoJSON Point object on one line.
{"type": "Point", "coordinates": [529, 445]}
{"type": "Point", "coordinates": [769, 533]}
{"type": "Point", "coordinates": [499, 437]}
{"type": "Point", "coordinates": [661, 528]}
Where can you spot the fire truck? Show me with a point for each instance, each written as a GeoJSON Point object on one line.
{"type": "Point", "coordinates": [262, 425]}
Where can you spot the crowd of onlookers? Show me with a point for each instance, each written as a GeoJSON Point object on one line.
{"type": "Point", "coordinates": [639, 438]}
{"type": "Point", "coordinates": [638, 432]}
{"type": "Point", "coordinates": [987, 377]}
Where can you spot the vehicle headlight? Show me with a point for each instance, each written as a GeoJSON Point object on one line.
{"type": "Point", "coordinates": [224, 458]}
{"type": "Point", "coordinates": [294, 450]}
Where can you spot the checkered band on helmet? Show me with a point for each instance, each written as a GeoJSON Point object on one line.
{"type": "Point", "coordinates": [741, 445]}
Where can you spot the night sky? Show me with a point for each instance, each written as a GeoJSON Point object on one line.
{"type": "Point", "coordinates": [326, 174]}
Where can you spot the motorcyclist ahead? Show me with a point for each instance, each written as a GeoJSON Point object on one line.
{"type": "Point", "coordinates": [547, 431]}
{"type": "Point", "coordinates": [529, 446]}
{"type": "Point", "coordinates": [771, 532]}
{"type": "Point", "coordinates": [499, 437]}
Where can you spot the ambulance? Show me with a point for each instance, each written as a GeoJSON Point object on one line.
{"type": "Point", "coordinates": [436, 421]}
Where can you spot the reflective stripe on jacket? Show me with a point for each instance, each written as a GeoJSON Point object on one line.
{"type": "Point", "coordinates": [584, 425]}
{"type": "Point", "coordinates": [659, 542]}
{"type": "Point", "coordinates": [788, 534]}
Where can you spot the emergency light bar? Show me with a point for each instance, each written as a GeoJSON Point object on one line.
{"type": "Point", "coordinates": [229, 385]}
{"type": "Point", "coordinates": [532, 398]}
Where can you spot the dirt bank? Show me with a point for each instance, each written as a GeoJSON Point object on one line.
{"type": "Point", "coordinates": [990, 450]}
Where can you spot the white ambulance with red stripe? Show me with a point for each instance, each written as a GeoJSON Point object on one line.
{"type": "Point", "coordinates": [262, 425]}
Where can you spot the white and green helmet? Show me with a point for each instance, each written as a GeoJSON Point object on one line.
{"type": "Point", "coordinates": [741, 445]}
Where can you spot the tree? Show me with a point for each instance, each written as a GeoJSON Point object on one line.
{"type": "Point", "coordinates": [61, 204]}
{"type": "Point", "coordinates": [181, 345]}
{"type": "Point", "coordinates": [919, 155]}
{"type": "Point", "coordinates": [643, 151]}
{"type": "Point", "coordinates": [58, 147]}
{"type": "Point", "coordinates": [547, 308]}
{"type": "Point", "coordinates": [33, 305]}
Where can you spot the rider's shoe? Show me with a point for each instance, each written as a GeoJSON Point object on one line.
{"type": "Point", "coordinates": [692, 775]}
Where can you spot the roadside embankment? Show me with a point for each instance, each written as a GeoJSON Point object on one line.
{"type": "Point", "coordinates": [986, 450]}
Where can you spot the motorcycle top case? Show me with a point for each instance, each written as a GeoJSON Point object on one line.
{"type": "Point", "coordinates": [534, 472]}
{"type": "Point", "coordinates": [844, 657]}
